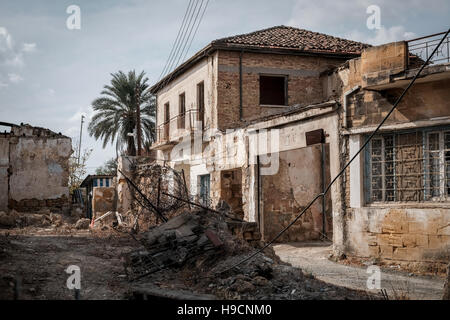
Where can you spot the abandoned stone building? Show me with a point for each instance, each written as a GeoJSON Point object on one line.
{"type": "Point", "coordinates": [239, 89]}
{"type": "Point", "coordinates": [264, 120]}
{"type": "Point", "coordinates": [396, 196]}
{"type": "Point", "coordinates": [34, 169]}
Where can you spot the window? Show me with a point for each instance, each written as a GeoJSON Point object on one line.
{"type": "Point", "coordinates": [101, 182]}
{"type": "Point", "coordinates": [167, 112]}
{"type": "Point", "coordinates": [182, 111]}
{"type": "Point", "coordinates": [95, 183]}
{"type": "Point", "coordinates": [107, 182]}
{"type": "Point", "coordinates": [166, 120]}
{"type": "Point", "coordinates": [273, 90]}
{"type": "Point", "coordinates": [409, 166]}
{"type": "Point", "coordinates": [205, 188]}
{"type": "Point", "coordinates": [201, 102]}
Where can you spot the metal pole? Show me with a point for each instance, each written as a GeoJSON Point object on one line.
{"type": "Point", "coordinates": [79, 144]}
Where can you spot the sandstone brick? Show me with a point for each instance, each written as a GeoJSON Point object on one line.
{"type": "Point", "coordinates": [400, 254]}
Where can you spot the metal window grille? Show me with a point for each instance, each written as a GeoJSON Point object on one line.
{"type": "Point", "coordinates": [409, 166]}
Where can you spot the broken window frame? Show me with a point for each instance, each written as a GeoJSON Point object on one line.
{"type": "Point", "coordinates": [386, 157]}
{"type": "Point", "coordinates": [286, 81]}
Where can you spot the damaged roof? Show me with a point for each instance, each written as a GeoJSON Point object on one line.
{"type": "Point", "coordinates": [294, 38]}
{"type": "Point", "coordinates": [279, 39]}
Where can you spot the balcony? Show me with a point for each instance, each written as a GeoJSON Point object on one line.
{"type": "Point", "coordinates": [172, 131]}
{"type": "Point", "coordinates": [420, 50]}
{"type": "Point", "coordinates": [393, 65]}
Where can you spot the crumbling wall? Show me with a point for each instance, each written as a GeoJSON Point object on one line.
{"type": "Point", "coordinates": [413, 233]}
{"type": "Point", "coordinates": [286, 194]}
{"type": "Point", "coordinates": [39, 169]}
{"type": "Point", "coordinates": [4, 165]}
{"type": "Point", "coordinates": [418, 237]}
{"type": "Point", "coordinates": [103, 200]}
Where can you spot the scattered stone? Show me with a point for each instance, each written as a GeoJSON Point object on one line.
{"type": "Point", "coordinates": [242, 286]}
{"type": "Point", "coordinates": [83, 224]}
{"type": "Point", "coordinates": [260, 281]}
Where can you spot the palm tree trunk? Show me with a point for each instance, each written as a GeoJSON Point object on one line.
{"type": "Point", "coordinates": [131, 149]}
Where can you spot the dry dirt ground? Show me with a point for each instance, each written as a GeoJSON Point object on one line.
{"type": "Point", "coordinates": [39, 260]}
{"type": "Point", "coordinates": [313, 258]}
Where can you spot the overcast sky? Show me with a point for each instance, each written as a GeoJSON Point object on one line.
{"type": "Point", "coordinates": [49, 74]}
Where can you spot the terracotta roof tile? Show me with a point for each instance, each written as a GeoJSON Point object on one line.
{"type": "Point", "coordinates": [293, 38]}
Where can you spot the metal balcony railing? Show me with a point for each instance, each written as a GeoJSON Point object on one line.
{"type": "Point", "coordinates": [179, 125]}
{"type": "Point", "coordinates": [420, 50]}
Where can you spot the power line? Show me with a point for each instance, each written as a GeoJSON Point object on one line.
{"type": "Point", "coordinates": [176, 40]}
{"type": "Point", "coordinates": [190, 32]}
{"type": "Point", "coordinates": [346, 166]}
{"type": "Point", "coordinates": [182, 38]}
{"type": "Point", "coordinates": [185, 40]}
{"type": "Point", "coordinates": [196, 30]}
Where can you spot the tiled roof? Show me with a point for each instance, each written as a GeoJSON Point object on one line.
{"type": "Point", "coordinates": [284, 37]}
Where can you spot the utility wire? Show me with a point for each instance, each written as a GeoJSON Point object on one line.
{"type": "Point", "coordinates": [182, 39]}
{"type": "Point", "coordinates": [190, 32]}
{"type": "Point", "coordinates": [196, 29]}
{"type": "Point", "coordinates": [176, 40]}
{"type": "Point", "coordinates": [346, 166]}
{"type": "Point", "coordinates": [186, 40]}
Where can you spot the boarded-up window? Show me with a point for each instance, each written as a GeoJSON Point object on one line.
{"type": "Point", "coordinates": [272, 90]}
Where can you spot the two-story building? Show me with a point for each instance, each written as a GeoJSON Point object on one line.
{"type": "Point", "coordinates": [265, 120]}
{"type": "Point", "coordinates": [213, 108]}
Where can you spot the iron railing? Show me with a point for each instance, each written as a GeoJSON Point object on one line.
{"type": "Point", "coordinates": [420, 50]}
{"type": "Point", "coordinates": [179, 125]}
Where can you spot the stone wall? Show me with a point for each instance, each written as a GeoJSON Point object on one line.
{"type": "Point", "coordinates": [38, 166]}
{"type": "Point", "coordinates": [419, 237]}
{"type": "Point", "coordinates": [412, 233]}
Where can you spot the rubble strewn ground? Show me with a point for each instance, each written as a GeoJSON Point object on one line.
{"type": "Point", "coordinates": [191, 252]}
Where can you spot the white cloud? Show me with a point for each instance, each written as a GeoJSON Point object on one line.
{"type": "Point", "coordinates": [9, 55]}
{"type": "Point", "coordinates": [381, 36]}
{"type": "Point", "coordinates": [14, 78]}
{"type": "Point", "coordinates": [29, 47]}
{"type": "Point", "coordinates": [6, 42]}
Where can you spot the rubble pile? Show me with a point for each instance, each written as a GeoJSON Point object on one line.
{"type": "Point", "coordinates": [14, 219]}
{"type": "Point", "coordinates": [194, 250]}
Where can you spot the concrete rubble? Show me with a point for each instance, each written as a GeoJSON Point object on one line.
{"type": "Point", "coordinates": [191, 253]}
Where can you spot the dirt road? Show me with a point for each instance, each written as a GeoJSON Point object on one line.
{"type": "Point", "coordinates": [40, 261]}
{"type": "Point", "coordinates": [313, 258]}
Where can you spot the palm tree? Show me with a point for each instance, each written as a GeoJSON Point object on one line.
{"type": "Point", "coordinates": [115, 115]}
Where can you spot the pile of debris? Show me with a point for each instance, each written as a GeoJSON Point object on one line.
{"type": "Point", "coordinates": [196, 251]}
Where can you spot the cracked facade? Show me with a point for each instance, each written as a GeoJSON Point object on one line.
{"type": "Point", "coordinates": [34, 169]}
{"type": "Point", "coordinates": [265, 124]}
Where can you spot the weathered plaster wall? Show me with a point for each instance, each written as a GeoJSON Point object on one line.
{"type": "Point", "coordinates": [4, 164]}
{"type": "Point", "coordinates": [103, 200]}
{"type": "Point", "coordinates": [39, 166]}
{"type": "Point", "coordinates": [412, 233]}
{"type": "Point", "coordinates": [286, 194]}
{"type": "Point", "coordinates": [205, 71]}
